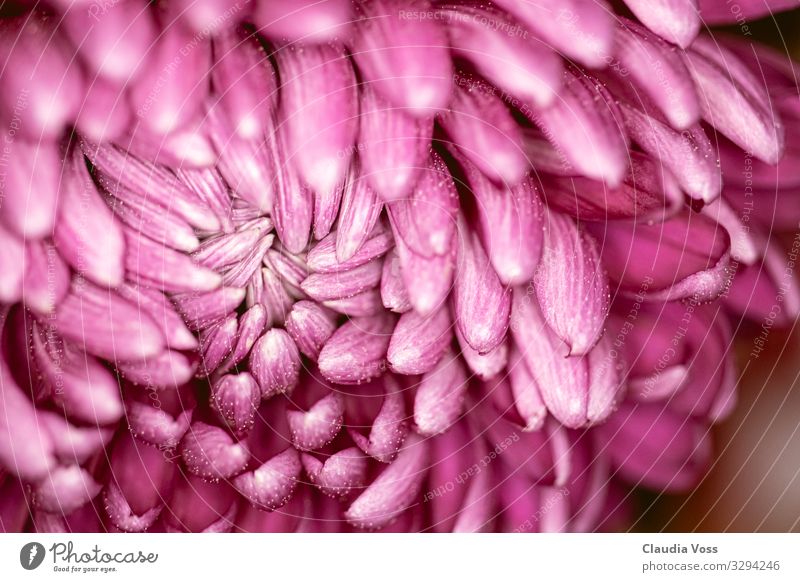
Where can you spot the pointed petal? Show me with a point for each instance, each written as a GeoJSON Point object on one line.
{"type": "Point", "coordinates": [393, 146]}
{"type": "Point", "coordinates": [310, 326]}
{"type": "Point", "coordinates": [201, 310]}
{"type": "Point", "coordinates": [487, 365]}
{"type": "Point", "coordinates": [46, 279]}
{"type": "Point", "coordinates": [419, 342]}
{"type": "Point", "coordinates": [209, 452]}
{"type": "Point", "coordinates": [102, 323]}
{"type": "Point", "coordinates": [394, 295]}
{"type": "Point", "coordinates": [244, 83]}
{"type": "Point", "coordinates": [426, 220]}
{"type": "Point", "coordinates": [271, 485]}
{"type": "Point", "coordinates": [407, 61]}
{"type": "Point", "coordinates": [734, 101]}
{"type": "Point", "coordinates": [275, 362]}
{"type": "Point", "coordinates": [527, 395]}
{"type": "Point", "coordinates": [676, 21]}
{"type": "Point", "coordinates": [358, 215]}
{"type": "Point", "coordinates": [316, 427]}
{"type": "Point", "coordinates": [504, 53]}
{"type": "Point", "coordinates": [440, 396]}
{"type": "Point", "coordinates": [341, 473]}
{"type": "Point", "coordinates": [571, 286]}
{"type": "Point", "coordinates": [427, 280]}
{"type": "Point", "coordinates": [155, 425]}
{"type": "Point", "coordinates": [586, 126]}
{"type": "Point", "coordinates": [394, 490]}
{"type": "Point", "coordinates": [356, 352]}
{"type": "Point", "coordinates": [340, 285]}
{"type": "Point", "coordinates": [323, 257]}
{"type": "Point", "coordinates": [311, 21]}
{"type": "Point", "coordinates": [481, 303]}
{"type": "Point", "coordinates": [168, 369]}
{"type": "Point", "coordinates": [236, 399]}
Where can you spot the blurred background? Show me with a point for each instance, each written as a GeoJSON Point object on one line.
{"type": "Point", "coordinates": [754, 485]}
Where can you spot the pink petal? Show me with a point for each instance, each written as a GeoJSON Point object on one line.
{"type": "Point", "coordinates": [168, 369]}
{"type": "Point", "coordinates": [155, 425]}
{"type": "Point", "coordinates": [393, 146]}
{"type": "Point", "coordinates": [440, 396]}
{"type": "Point", "coordinates": [209, 452]}
{"type": "Point", "coordinates": [323, 257]}
{"type": "Point", "coordinates": [571, 286]}
{"type": "Point", "coordinates": [504, 54]}
{"type": "Point", "coordinates": [310, 326]}
{"type": "Point", "coordinates": [339, 285]}
{"type": "Point", "coordinates": [394, 490]}
{"type": "Point", "coordinates": [358, 215]}
{"type": "Point", "coordinates": [394, 295]}
{"type": "Point", "coordinates": [339, 474]}
{"type": "Point", "coordinates": [271, 485]}
{"type": "Point", "coordinates": [311, 21]}
{"type": "Point", "coordinates": [676, 21]}
{"type": "Point", "coordinates": [316, 427]}
{"type": "Point", "coordinates": [486, 365]}
{"type": "Point", "coordinates": [236, 398]}
{"type": "Point", "coordinates": [200, 310]}
{"type": "Point", "coordinates": [275, 362]}
{"type": "Point", "coordinates": [481, 303]}
{"type": "Point", "coordinates": [419, 342]}
{"type": "Point", "coordinates": [356, 352]}
{"type": "Point", "coordinates": [406, 61]}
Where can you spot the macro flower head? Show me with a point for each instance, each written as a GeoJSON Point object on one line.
{"type": "Point", "coordinates": [389, 265]}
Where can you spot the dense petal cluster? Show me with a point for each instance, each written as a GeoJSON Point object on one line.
{"type": "Point", "coordinates": [383, 264]}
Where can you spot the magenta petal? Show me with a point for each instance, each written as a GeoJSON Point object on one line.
{"type": "Point", "coordinates": [656, 447]}
{"type": "Point", "coordinates": [153, 265]}
{"type": "Point", "coordinates": [440, 396]}
{"type": "Point", "coordinates": [688, 155]}
{"type": "Point", "coordinates": [405, 60]}
{"type": "Point", "coordinates": [356, 352]}
{"type": "Point", "coordinates": [487, 365]}
{"type": "Point", "coordinates": [688, 255]}
{"type": "Point", "coordinates": [571, 286]}
{"type": "Point", "coordinates": [42, 85]}
{"type": "Point", "coordinates": [341, 473]}
{"type": "Point", "coordinates": [168, 369]}
{"type": "Point", "coordinates": [319, 106]}
{"type": "Point", "coordinates": [141, 478]}
{"type": "Point", "coordinates": [734, 101]}
{"type": "Point", "coordinates": [676, 21]}
{"type": "Point", "coordinates": [31, 187]}
{"type": "Point", "coordinates": [73, 444]}
{"type": "Point", "coordinates": [340, 285]}
{"type": "Point", "coordinates": [105, 113]}
{"type": "Point", "coordinates": [580, 29]}
{"type": "Point", "coordinates": [503, 53]}
{"type": "Point", "coordinates": [216, 342]}
{"type": "Point", "coordinates": [225, 250]}
{"type": "Point", "coordinates": [293, 201]}
{"type": "Point", "coordinates": [481, 126]}
{"type": "Point", "coordinates": [46, 279]}
{"type": "Point", "coordinates": [208, 184]}
{"type": "Point", "coordinates": [606, 380]}
{"type": "Point", "coordinates": [244, 83]}
{"type": "Point", "coordinates": [358, 215]}
{"type": "Point", "coordinates": [310, 325]}
{"type": "Point", "coordinates": [203, 309]}
{"type": "Point", "coordinates": [481, 303]}
{"type": "Point", "coordinates": [323, 258]}
{"type": "Point", "coordinates": [150, 182]}
{"type": "Point", "coordinates": [209, 452]}
{"type": "Point", "coordinates": [394, 490]}
{"type": "Point", "coordinates": [394, 295]}
{"type": "Point", "coordinates": [640, 53]}
{"type": "Point", "coordinates": [102, 323]}
{"type": "Point", "coordinates": [426, 219]}
{"type": "Point", "coordinates": [364, 304]}
{"type": "Point", "coordinates": [80, 384]}
{"type": "Point", "coordinates": [394, 146]}
{"type": "Point", "coordinates": [511, 226]}
{"type": "Point", "coordinates": [427, 281]}
{"type": "Point", "coordinates": [316, 427]}
{"type": "Point", "coordinates": [418, 342]}
{"type": "Point", "coordinates": [275, 362]}
{"type": "Point", "coordinates": [584, 123]}
{"type": "Point", "coordinates": [12, 265]}
{"type": "Point", "coordinates": [311, 21]}
{"type": "Point", "coordinates": [271, 485]}
{"type": "Point", "coordinates": [155, 425]}
{"type": "Point", "coordinates": [113, 39]}
{"type": "Point", "coordinates": [201, 506]}
{"type": "Point", "coordinates": [166, 95]}
{"type": "Point", "coordinates": [25, 449]}
{"type": "Point", "coordinates": [647, 192]}
{"type": "Point", "coordinates": [76, 232]}
{"type": "Point", "coordinates": [163, 312]}
{"type": "Point", "coordinates": [744, 247]}
{"type": "Point", "coordinates": [563, 381]}
{"type": "Point", "coordinates": [65, 489]}
{"type": "Point", "coordinates": [236, 398]}
{"type": "Point", "coordinates": [527, 395]}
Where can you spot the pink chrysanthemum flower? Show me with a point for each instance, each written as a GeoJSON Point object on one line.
{"type": "Point", "coordinates": [323, 266]}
